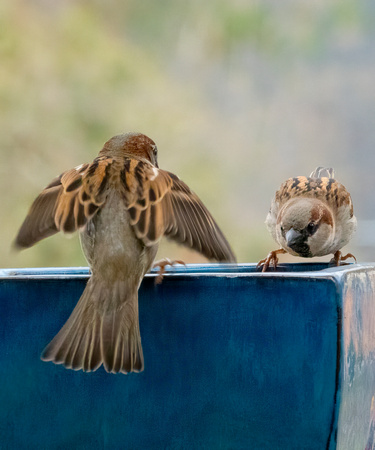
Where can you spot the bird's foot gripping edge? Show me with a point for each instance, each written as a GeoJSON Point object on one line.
{"type": "Point", "coordinates": [270, 259]}
{"type": "Point", "coordinates": [162, 264]}
{"type": "Point", "coordinates": [338, 258]}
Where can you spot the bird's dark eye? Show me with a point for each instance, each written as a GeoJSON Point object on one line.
{"type": "Point", "coordinates": [311, 228]}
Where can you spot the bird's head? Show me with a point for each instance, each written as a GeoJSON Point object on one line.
{"type": "Point", "coordinates": [132, 144]}
{"type": "Point", "coordinates": [305, 227]}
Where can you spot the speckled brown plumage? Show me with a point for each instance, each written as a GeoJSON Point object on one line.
{"type": "Point", "coordinates": [322, 188]}
{"type": "Point", "coordinates": [311, 216]}
{"type": "Point", "coordinates": [122, 204]}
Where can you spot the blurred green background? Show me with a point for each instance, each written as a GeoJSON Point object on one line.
{"type": "Point", "coordinates": [238, 95]}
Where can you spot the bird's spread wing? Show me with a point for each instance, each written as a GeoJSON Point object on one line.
{"type": "Point", "coordinates": [67, 203]}
{"type": "Point", "coordinates": [161, 204]}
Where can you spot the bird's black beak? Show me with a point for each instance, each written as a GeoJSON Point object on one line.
{"type": "Point", "coordinates": [297, 241]}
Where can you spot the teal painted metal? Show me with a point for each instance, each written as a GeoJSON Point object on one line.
{"type": "Point", "coordinates": [233, 359]}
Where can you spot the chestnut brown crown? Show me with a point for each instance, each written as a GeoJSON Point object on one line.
{"type": "Point", "coordinates": [132, 144]}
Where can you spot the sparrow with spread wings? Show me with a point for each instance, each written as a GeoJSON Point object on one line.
{"type": "Point", "coordinates": [122, 204]}
{"type": "Point", "coordinates": [311, 216]}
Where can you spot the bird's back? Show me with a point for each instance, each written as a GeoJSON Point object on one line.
{"type": "Point", "coordinates": [325, 189]}
{"type": "Point", "coordinates": [110, 244]}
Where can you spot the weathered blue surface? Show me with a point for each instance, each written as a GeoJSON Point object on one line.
{"type": "Point", "coordinates": [234, 359]}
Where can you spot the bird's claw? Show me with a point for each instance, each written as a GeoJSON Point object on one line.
{"type": "Point", "coordinates": [162, 264]}
{"type": "Point", "coordinates": [271, 258]}
{"type": "Point", "coordinates": [338, 258]}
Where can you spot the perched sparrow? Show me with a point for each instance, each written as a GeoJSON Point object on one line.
{"type": "Point", "coordinates": [311, 217]}
{"type": "Point", "coordinates": [122, 204]}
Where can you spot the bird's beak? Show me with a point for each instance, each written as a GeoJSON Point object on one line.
{"type": "Point", "coordinates": [297, 242]}
{"type": "Point", "coordinates": [293, 238]}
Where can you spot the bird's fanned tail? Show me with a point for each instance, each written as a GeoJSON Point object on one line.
{"type": "Point", "coordinates": [320, 171]}
{"type": "Point", "coordinates": [102, 329]}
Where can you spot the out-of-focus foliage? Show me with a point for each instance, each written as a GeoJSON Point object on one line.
{"type": "Point", "coordinates": [239, 95]}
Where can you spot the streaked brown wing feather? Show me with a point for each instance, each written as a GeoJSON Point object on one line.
{"type": "Point", "coordinates": [40, 222]}
{"type": "Point", "coordinates": [195, 227]}
{"type": "Point", "coordinates": [67, 203]}
{"type": "Point", "coordinates": [327, 189]}
{"type": "Point", "coordinates": [161, 204]}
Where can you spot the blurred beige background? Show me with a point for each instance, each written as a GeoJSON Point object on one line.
{"type": "Point", "coordinates": [239, 95]}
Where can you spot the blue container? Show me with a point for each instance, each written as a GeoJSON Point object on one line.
{"type": "Point", "coordinates": [234, 359]}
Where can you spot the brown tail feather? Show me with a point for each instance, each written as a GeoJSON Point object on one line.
{"type": "Point", "coordinates": [102, 329]}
